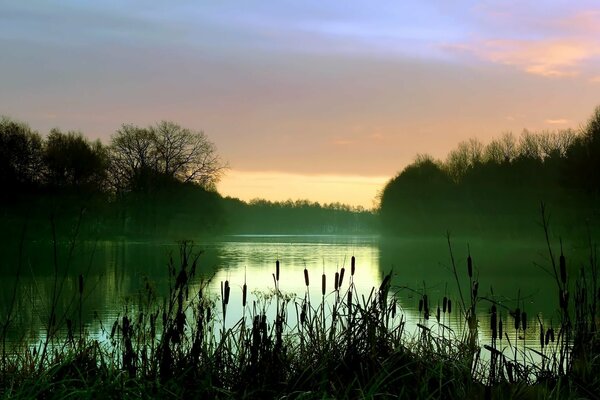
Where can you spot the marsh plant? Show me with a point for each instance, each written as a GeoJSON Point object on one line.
{"type": "Point", "coordinates": [346, 344]}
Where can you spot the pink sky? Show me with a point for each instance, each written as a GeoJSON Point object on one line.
{"type": "Point", "coordinates": [303, 98]}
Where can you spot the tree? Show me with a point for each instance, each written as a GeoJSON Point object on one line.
{"type": "Point", "coordinates": [71, 161]}
{"type": "Point", "coordinates": [144, 158]}
{"type": "Point", "coordinates": [132, 158]}
{"type": "Point", "coordinates": [20, 155]}
{"type": "Point", "coordinates": [466, 156]}
{"type": "Point", "coordinates": [186, 155]}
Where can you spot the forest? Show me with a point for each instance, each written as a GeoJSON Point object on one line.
{"type": "Point", "coordinates": [153, 182]}
{"type": "Point", "coordinates": [497, 188]}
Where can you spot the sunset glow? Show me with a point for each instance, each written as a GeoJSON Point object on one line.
{"type": "Point", "coordinates": [300, 92]}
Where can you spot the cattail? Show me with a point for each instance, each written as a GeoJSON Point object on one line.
{"type": "Point", "coordinates": [352, 265]}
{"type": "Point", "coordinates": [303, 312]}
{"type": "Point", "coordinates": [517, 319]}
{"type": "Point", "coordinates": [306, 277]}
{"type": "Point", "coordinates": [277, 270]}
{"type": "Point", "coordinates": [227, 289]}
{"type": "Point", "coordinates": [80, 284]}
{"type": "Point", "coordinates": [563, 268]}
{"type": "Point", "coordinates": [500, 328]}
{"type": "Point", "coordinates": [336, 281]}
{"type": "Point", "coordinates": [323, 280]}
{"type": "Point", "coordinates": [563, 299]}
{"type": "Point", "coordinates": [437, 314]}
{"type": "Point", "coordinates": [426, 306]}
{"type": "Point", "coordinates": [524, 320]}
{"type": "Point", "coordinates": [541, 336]}
{"type": "Point", "coordinates": [445, 304]}
{"type": "Point", "coordinates": [244, 293]}
{"type": "Point", "coordinates": [349, 299]}
{"type": "Point", "coordinates": [470, 266]}
{"type": "Point", "coordinates": [449, 306]}
{"type": "Point", "coordinates": [342, 275]}
{"type": "Point", "coordinates": [494, 322]}
{"type": "Point", "coordinates": [420, 305]}
{"type": "Point", "coordinates": [475, 289]}
{"type": "Point", "coordinates": [394, 309]}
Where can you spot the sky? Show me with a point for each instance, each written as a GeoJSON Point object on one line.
{"type": "Point", "coordinates": [304, 99]}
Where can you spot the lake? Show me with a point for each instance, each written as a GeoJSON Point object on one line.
{"type": "Point", "coordinates": [116, 272]}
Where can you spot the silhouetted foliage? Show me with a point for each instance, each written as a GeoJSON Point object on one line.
{"type": "Point", "coordinates": [142, 159]}
{"type": "Point", "coordinates": [20, 157]}
{"type": "Point", "coordinates": [71, 161]}
{"type": "Point", "coordinates": [497, 187]}
{"type": "Point", "coordinates": [297, 217]}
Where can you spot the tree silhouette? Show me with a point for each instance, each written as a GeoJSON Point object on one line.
{"type": "Point", "coordinates": [143, 159]}
{"type": "Point", "coordinates": [72, 162]}
{"type": "Point", "coordinates": [20, 156]}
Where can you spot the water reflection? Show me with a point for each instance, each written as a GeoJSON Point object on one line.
{"type": "Point", "coordinates": [116, 272]}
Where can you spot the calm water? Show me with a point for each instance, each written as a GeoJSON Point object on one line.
{"type": "Point", "coordinates": [116, 272]}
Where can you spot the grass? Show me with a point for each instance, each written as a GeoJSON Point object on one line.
{"type": "Point", "coordinates": [352, 346]}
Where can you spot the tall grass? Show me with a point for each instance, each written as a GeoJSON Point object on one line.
{"type": "Point", "coordinates": [348, 345]}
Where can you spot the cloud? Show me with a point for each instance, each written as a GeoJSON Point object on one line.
{"type": "Point", "coordinates": [555, 45]}
{"type": "Point", "coordinates": [549, 58]}
{"type": "Point", "coordinates": [595, 79]}
{"type": "Point", "coordinates": [559, 121]}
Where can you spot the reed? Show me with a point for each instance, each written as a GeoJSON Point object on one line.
{"type": "Point", "coordinates": [350, 345]}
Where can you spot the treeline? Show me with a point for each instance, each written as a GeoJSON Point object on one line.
{"type": "Point", "coordinates": [140, 183]}
{"type": "Point", "coordinates": [156, 181]}
{"type": "Point", "coordinates": [300, 216]}
{"type": "Point", "coordinates": [498, 187]}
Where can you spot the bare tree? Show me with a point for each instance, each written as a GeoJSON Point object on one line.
{"type": "Point", "coordinates": [164, 150]}
{"type": "Point", "coordinates": [465, 156]}
{"type": "Point", "coordinates": [186, 155]}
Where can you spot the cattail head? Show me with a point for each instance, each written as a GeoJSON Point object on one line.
{"type": "Point", "coordinates": [470, 266]}
{"type": "Point", "coordinates": [564, 299]}
{"type": "Point", "coordinates": [80, 284]}
{"type": "Point", "coordinates": [524, 320]}
{"type": "Point", "coordinates": [563, 268]}
{"type": "Point", "coordinates": [352, 265]}
{"type": "Point", "coordinates": [494, 322]}
{"type": "Point", "coordinates": [437, 314]}
{"type": "Point", "coordinates": [445, 304]}
{"type": "Point", "coordinates": [541, 336]}
{"type": "Point", "coordinates": [500, 327]}
{"type": "Point", "coordinates": [420, 305]}
{"type": "Point", "coordinates": [336, 281]}
{"type": "Point", "coordinates": [303, 312]}
{"type": "Point", "coordinates": [342, 271]}
{"type": "Point", "coordinates": [277, 270]}
{"type": "Point", "coordinates": [475, 289]}
{"type": "Point", "coordinates": [517, 318]}
{"type": "Point", "coordinates": [323, 284]}
{"type": "Point", "coordinates": [227, 289]}
{"type": "Point", "coordinates": [244, 294]}
{"type": "Point", "coordinates": [449, 306]}
{"type": "Point", "coordinates": [306, 277]}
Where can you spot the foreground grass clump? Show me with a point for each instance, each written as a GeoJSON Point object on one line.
{"type": "Point", "coordinates": [350, 346]}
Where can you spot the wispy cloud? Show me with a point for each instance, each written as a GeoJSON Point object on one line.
{"type": "Point", "coordinates": [551, 58]}
{"type": "Point", "coordinates": [552, 46]}
{"type": "Point", "coordinates": [559, 121]}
